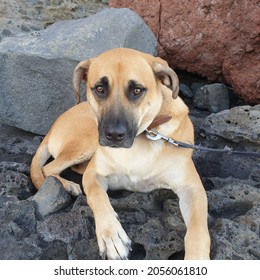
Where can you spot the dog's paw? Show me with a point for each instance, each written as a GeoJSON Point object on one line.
{"type": "Point", "coordinates": [73, 188]}
{"type": "Point", "coordinates": [113, 242]}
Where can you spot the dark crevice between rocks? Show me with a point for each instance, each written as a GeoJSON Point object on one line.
{"type": "Point", "coordinates": [177, 256]}
{"type": "Point", "coordinates": [138, 252]}
{"type": "Point", "coordinates": [118, 194]}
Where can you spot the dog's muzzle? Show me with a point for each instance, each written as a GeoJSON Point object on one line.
{"type": "Point", "coordinates": [116, 133]}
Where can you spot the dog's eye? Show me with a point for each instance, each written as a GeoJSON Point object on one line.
{"type": "Point", "coordinates": [138, 91]}
{"type": "Point", "coordinates": [135, 90]}
{"type": "Point", "coordinates": [100, 89]}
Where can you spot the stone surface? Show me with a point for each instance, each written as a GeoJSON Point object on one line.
{"type": "Point", "coordinates": [152, 220]}
{"type": "Point", "coordinates": [215, 39]}
{"type": "Point", "coordinates": [36, 69]}
{"type": "Point", "coordinates": [14, 183]}
{"type": "Point", "coordinates": [236, 211]}
{"type": "Point", "coordinates": [239, 125]}
{"type": "Point", "coordinates": [51, 197]}
{"type": "Point", "coordinates": [31, 15]}
{"type": "Point", "coordinates": [213, 97]}
{"type": "Point", "coordinates": [186, 91]}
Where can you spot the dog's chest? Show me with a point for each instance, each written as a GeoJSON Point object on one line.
{"type": "Point", "coordinates": [134, 183]}
{"type": "Point", "coordinates": [140, 168]}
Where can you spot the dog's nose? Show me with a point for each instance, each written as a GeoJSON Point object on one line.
{"type": "Point", "coordinates": [115, 133]}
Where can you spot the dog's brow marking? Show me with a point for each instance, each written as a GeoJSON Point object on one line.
{"type": "Point", "coordinates": [133, 83]}
{"type": "Point", "coordinates": [104, 80]}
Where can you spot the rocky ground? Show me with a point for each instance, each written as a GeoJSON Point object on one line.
{"type": "Point", "coordinates": [53, 225]}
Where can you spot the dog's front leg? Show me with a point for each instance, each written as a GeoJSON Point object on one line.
{"type": "Point", "coordinates": [194, 209]}
{"type": "Point", "coordinates": [112, 240]}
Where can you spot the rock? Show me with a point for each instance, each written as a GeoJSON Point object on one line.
{"type": "Point", "coordinates": [6, 33]}
{"type": "Point", "coordinates": [148, 10]}
{"type": "Point", "coordinates": [51, 197]}
{"type": "Point", "coordinates": [16, 150]}
{"type": "Point", "coordinates": [36, 69]}
{"type": "Point", "coordinates": [15, 183]}
{"type": "Point", "coordinates": [29, 15]}
{"type": "Point", "coordinates": [18, 222]}
{"type": "Point", "coordinates": [236, 227]}
{"type": "Point", "coordinates": [196, 86]}
{"type": "Point", "coordinates": [66, 227]}
{"type": "Point", "coordinates": [85, 38]}
{"type": "Point", "coordinates": [16, 146]}
{"type": "Point", "coordinates": [186, 91]}
{"type": "Point", "coordinates": [239, 125]}
{"type": "Point", "coordinates": [217, 40]}
{"type": "Point", "coordinates": [213, 97]}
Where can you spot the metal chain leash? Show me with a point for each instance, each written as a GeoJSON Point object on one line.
{"type": "Point", "coordinates": [155, 135]}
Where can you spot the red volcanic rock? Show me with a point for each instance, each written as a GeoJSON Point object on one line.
{"type": "Point", "coordinates": [216, 39]}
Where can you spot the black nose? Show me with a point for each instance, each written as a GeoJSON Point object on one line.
{"type": "Point", "coordinates": [115, 133]}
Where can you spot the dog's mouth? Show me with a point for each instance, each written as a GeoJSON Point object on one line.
{"type": "Point", "coordinates": [113, 145]}
{"type": "Point", "coordinates": [124, 142]}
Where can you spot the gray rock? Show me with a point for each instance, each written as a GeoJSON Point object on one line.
{"type": "Point", "coordinates": [66, 227]}
{"type": "Point", "coordinates": [196, 86]}
{"type": "Point", "coordinates": [234, 242]}
{"type": "Point", "coordinates": [51, 197]}
{"type": "Point", "coordinates": [42, 91]}
{"type": "Point", "coordinates": [186, 91]}
{"type": "Point", "coordinates": [234, 207]}
{"type": "Point", "coordinates": [233, 199]}
{"type": "Point", "coordinates": [85, 38]}
{"type": "Point", "coordinates": [18, 223]}
{"type": "Point", "coordinates": [14, 166]}
{"type": "Point", "coordinates": [213, 97]}
{"type": "Point", "coordinates": [6, 33]}
{"type": "Point", "coordinates": [239, 125]}
{"type": "Point", "coordinates": [15, 183]}
{"type": "Point", "coordinates": [39, 14]}
{"type": "Point", "coordinates": [36, 69]}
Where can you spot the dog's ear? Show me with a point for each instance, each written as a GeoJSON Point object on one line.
{"type": "Point", "coordinates": [166, 75]}
{"type": "Point", "coordinates": [80, 73]}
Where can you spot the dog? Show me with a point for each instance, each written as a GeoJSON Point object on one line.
{"type": "Point", "coordinates": [104, 139]}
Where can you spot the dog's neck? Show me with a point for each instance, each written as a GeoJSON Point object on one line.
{"type": "Point", "coordinates": [158, 120]}
{"type": "Point", "coordinates": [171, 114]}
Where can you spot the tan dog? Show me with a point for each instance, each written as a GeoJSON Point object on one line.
{"type": "Point", "coordinates": [127, 91]}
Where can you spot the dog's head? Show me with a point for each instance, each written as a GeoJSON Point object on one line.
{"type": "Point", "coordinates": [124, 89]}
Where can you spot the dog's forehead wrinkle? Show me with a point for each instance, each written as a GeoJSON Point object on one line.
{"type": "Point", "coordinates": [121, 69]}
